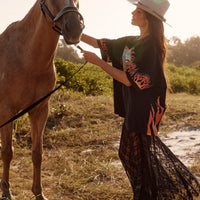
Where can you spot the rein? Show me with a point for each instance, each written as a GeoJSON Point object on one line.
{"type": "Point", "coordinates": [68, 9]}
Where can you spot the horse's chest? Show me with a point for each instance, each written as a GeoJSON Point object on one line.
{"type": "Point", "coordinates": [31, 90]}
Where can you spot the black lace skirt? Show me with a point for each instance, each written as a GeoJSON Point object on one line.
{"type": "Point", "coordinates": [155, 173]}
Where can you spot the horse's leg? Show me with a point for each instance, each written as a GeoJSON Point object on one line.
{"type": "Point", "coordinates": [38, 118]}
{"type": "Point", "coordinates": [6, 155]}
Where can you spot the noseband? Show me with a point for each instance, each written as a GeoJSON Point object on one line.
{"type": "Point", "coordinates": [68, 9]}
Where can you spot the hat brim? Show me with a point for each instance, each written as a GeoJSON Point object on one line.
{"type": "Point", "coordinates": [143, 7]}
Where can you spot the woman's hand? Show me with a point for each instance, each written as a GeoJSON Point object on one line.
{"type": "Point", "coordinates": [91, 57]}
{"type": "Point", "coordinates": [114, 72]}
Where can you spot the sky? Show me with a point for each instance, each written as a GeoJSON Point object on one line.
{"type": "Point", "coordinates": [112, 18]}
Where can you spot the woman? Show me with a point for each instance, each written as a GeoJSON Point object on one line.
{"type": "Point", "coordinates": [139, 96]}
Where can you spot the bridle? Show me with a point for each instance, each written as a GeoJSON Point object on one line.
{"type": "Point", "coordinates": [68, 9]}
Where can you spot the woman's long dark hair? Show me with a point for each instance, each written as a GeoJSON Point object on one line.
{"type": "Point", "coordinates": [156, 30]}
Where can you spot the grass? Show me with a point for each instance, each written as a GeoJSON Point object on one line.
{"type": "Point", "coordinates": [80, 160]}
{"type": "Point", "coordinates": [182, 113]}
{"type": "Point", "coordinates": [184, 78]}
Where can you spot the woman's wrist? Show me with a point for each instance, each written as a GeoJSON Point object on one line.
{"type": "Point", "coordinates": [89, 40]}
{"type": "Point", "coordinates": [103, 64]}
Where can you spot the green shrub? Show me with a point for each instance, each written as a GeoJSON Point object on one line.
{"type": "Point", "coordinates": [184, 79]}
{"type": "Point", "coordinates": [91, 80]}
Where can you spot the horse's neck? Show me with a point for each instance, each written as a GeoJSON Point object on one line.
{"type": "Point", "coordinates": [39, 36]}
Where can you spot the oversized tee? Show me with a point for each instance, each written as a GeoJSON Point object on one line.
{"type": "Point", "coordinates": [143, 103]}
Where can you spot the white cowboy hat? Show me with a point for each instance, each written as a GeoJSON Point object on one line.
{"type": "Point", "coordinates": [157, 8]}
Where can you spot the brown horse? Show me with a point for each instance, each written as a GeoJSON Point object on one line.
{"type": "Point", "coordinates": [27, 73]}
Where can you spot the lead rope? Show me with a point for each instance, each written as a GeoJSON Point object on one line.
{"type": "Point", "coordinates": [43, 98]}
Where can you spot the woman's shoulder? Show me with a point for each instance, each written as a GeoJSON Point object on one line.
{"type": "Point", "coordinates": [149, 41]}
{"type": "Point", "coordinates": [147, 44]}
{"type": "Point", "coordinates": [127, 39]}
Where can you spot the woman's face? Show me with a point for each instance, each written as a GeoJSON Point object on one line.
{"type": "Point", "coordinates": [139, 18]}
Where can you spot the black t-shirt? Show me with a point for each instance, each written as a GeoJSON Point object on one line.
{"type": "Point", "coordinates": [143, 103]}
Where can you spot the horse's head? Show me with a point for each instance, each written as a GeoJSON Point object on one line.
{"type": "Point", "coordinates": [68, 18]}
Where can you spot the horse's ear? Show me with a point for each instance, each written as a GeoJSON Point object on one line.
{"type": "Point", "coordinates": [77, 3]}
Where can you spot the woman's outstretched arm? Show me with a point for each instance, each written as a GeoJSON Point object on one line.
{"type": "Point", "coordinates": [89, 40]}
{"type": "Point", "coordinates": [112, 71]}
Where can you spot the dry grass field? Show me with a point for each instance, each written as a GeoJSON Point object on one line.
{"type": "Point", "coordinates": [80, 159]}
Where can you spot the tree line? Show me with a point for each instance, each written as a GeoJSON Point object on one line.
{"type": "Point", "coordinates": [184, 53]}
{"type": "Point", "coordinates": [178, 52]}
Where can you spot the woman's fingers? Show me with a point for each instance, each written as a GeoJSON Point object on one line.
{"type": "Point", "coordinates": [90, 57]}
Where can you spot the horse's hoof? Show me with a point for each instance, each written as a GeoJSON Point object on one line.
{"type": "Point", "coordinates": [6, 195]}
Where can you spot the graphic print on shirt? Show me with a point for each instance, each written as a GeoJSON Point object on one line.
{"type": "Point", "coordinates": [142, 80]}
{"type": "Point", "coordinates": [128, 57]}
{"type": "Point", "coordinates": [155, 115]}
